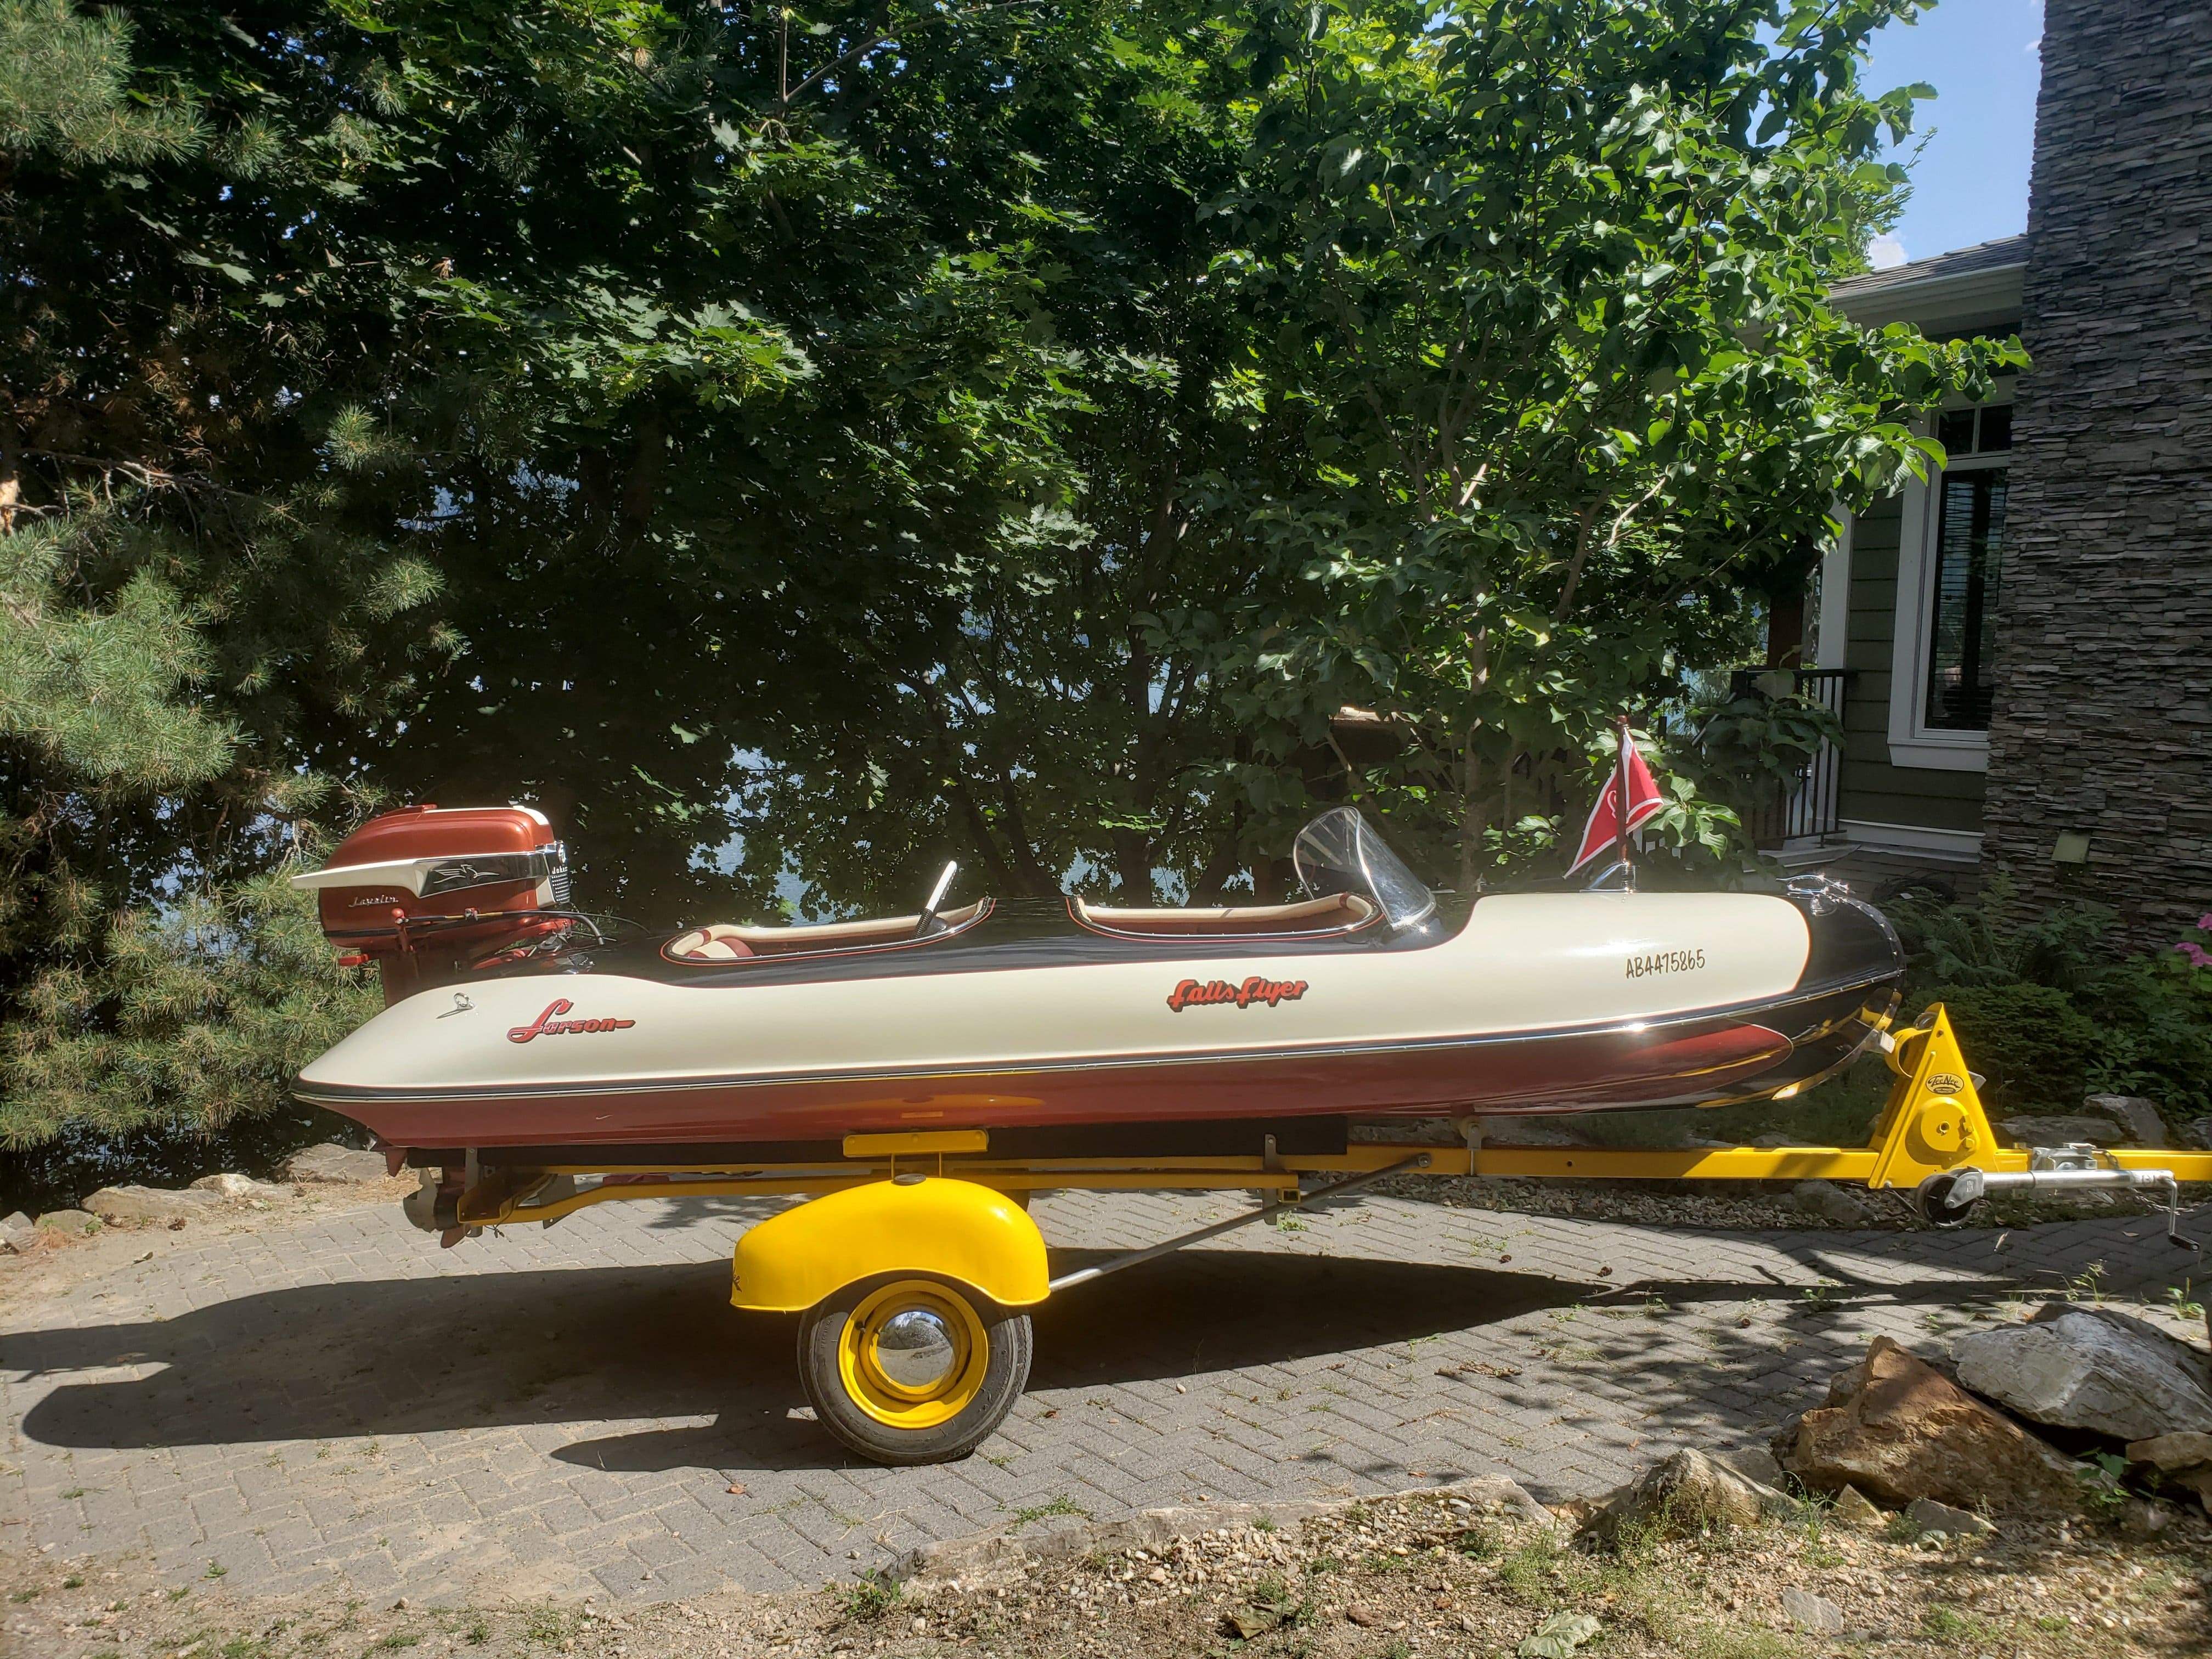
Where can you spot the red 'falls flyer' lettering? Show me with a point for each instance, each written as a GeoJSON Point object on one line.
{"type": "Point", "coordinates": [1220, 991]}
{"type": "Point", "coordinates": [546, 1025]}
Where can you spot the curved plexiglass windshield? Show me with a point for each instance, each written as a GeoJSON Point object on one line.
{"type": "Point", "coordinates": [1340, 852]}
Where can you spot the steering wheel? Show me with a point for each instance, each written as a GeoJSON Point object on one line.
{"type": "Point", "coordinates": [923, 927]}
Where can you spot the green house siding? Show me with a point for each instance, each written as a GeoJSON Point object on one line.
{"type": "Point", "coordinates": [1870, 789]}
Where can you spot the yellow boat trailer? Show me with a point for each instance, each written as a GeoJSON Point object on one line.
{"type": "Point", "coordinates": [915, 1264]}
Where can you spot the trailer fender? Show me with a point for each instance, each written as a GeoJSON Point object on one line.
{"type": "Point", "coordinates": [911, 1225]}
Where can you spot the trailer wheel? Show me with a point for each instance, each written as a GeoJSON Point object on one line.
{"type": "Point", "coordinates": [909, 1369]}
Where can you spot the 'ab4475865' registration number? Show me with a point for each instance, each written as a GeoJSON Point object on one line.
{"type": "Point", "coordinates": [1665, 962]}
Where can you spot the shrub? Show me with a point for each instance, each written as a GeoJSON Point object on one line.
{"type": "Point", "coordinates": [2050, 1009]}
{"type": "Point", "coordinates": [2031, 1042]}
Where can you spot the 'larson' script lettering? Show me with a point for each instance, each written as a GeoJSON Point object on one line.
{"type": "Point", "coordinates": [546, 1025]}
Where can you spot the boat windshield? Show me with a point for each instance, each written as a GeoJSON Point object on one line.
{"type": "Point", "coordinates": [1340, 852]}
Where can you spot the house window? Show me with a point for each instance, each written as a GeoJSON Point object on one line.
{"type": "Point", "coordinates": [1962, 629]}
{"type": "Point", "coordinates": [1949, 567]}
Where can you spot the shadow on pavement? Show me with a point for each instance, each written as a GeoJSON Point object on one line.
{"type": "Point", "coordinates": [583, 1347]}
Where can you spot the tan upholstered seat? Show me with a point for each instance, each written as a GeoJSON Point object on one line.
{"type": "Point", "coordinates": [725, 942]}
{"type": "Point", "coordinates": [1337, 913]}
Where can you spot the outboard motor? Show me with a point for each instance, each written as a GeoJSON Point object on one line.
{"type": "Point", "coordinates": [431, 893]}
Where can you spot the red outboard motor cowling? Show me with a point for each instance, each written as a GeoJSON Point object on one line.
{"type": "Point", "coordinates": [429, 892]}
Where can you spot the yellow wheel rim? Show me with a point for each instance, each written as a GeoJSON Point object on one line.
{"type": "Point", "coordinates": [913, 1354]}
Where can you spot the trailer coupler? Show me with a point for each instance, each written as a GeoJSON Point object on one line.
{"type": "Point", "coordinates": [1948, 1196]}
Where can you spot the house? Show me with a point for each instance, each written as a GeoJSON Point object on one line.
{"type": "Point", "coordinates": [2021, 646]}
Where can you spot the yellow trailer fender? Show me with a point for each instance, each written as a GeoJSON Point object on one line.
{"type": "Point", "coordinates": [909, 1224]}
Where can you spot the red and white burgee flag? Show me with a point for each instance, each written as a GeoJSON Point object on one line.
{"type": "Point", "coordinates": [1630, 800]}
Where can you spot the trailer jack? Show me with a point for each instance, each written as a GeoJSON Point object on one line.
{"type": "Point", "coordinates": [1950, 1196]}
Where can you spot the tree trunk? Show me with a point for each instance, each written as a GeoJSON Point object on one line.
{"type": "Point", "coordinates": [1133, 862]}
{"type": "Point", "coordinates": [11, 481]}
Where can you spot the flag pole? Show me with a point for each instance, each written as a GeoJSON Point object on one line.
{"type": "Point", "coordinates": [1620, 806]}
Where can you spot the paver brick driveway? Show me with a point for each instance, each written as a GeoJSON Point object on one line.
{"type": "Point", "coordinates": [336, 1403]}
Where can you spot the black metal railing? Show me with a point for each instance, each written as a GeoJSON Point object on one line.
{"type": "Point", "coordinates": [1807, 807]}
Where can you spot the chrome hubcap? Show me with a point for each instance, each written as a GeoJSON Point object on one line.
{"type": "Point", "coordinates": [914, 1349]}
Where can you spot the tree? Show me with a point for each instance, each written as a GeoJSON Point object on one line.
{"type": "Point", "coordinates": [1545, 282]}
{"type": "Point", "coordinates": [246, 379]}
{"type": "Point", "coordinates": [1024, 704]}
{"type": "Point", "coordinates": [377, 375]}
{"type": "Point", "coordinates": [179, 588]}
{"type": "Point", "coordinates": [803, 441]}
{"type": "Point", "coordinates": [1480, 376]}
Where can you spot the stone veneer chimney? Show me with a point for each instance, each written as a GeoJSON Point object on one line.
{"type": "Point", "coordinates": [2103, 720]}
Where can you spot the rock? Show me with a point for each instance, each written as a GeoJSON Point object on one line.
{"type": "Point", "coordinates": [2139, 1117]}
{"type": "Point", "coordinates": [2199, 1130]}
{"type": "Point", "coordinates": [1499, 1495]}
{"type": "Point", "coordinates": [135, 1203]}
{"type": "Point", "coordinates": [1251, 1621]}
{"type": "Point", "coordinates": [239, 1186]}
{"type": "Point", "coordinates": [2140, 1517]}
{"type": "Point", "coordinates": [2064, 1131]}
{"type": "Point", "coordinates": [18, 1233]}
{"type": "Point", "coordinates": [1855, 1510]}
{"type": "Point", "coordinates": [2198, 1480]}
{"type": "Point", "coordinates": [1756, 1463]}
{"type": "Point", "coordinates": [1557, 1636]}
{"type": "Point", "coordinates": [70, 1224]}
{"type": "Point", "coordinates": [1685, 1493]}
{"type": "Point", "coordinates": [2172, 1451]}
{"type": "Point", "coordinates": [1832, 1203]}
{"type": "Point", "coordinates": [2090, 1368]}
{"type": "Point", "coordinates": [1809, 1611]}
{"type": "Point", "coordinates": [337, 1166]}
{"type": "Point", "coordinates": [1898, 1429]}
{"type": "Point", "coordinates": [1929, 1516]}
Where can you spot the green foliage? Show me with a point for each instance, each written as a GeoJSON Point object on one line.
{"type": "Point", "coordinates": [869, 1597]}
{"type": "Point", "coordinates": [1543, 287]}
{"type": "Point", "coordinates": [2050, 1011]}
{"type": "Point", "coordinates": [197, 1012]}
{"type": "Point", "coordinates": [194, 605]}
{"type": "Point", "coordinates": [2032, 1041]}
{"type": "Point", "coordinates": [63, 91]}
{"type": "Point", "coordinates": [94, 688]}
{"type": "Point", "coordinates": [802, 442]}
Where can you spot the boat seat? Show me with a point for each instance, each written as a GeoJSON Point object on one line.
{"type": "Point", "coordinates": [1336, 913]}
{"type": "Point", "coordinates": [727, 942]}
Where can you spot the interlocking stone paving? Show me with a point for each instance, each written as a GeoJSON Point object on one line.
{"type": "Point", "coordinates": [335, 1404]}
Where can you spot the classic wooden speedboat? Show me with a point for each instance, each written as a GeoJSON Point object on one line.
{"type": "Point", "coordinates": [514, 1023]}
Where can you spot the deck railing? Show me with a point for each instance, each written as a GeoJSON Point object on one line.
{"type": "Point", "coordinates": [1806, 808]}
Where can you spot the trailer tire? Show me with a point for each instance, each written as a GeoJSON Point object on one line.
{"type": "Point", "coordinates": [910, 1368]}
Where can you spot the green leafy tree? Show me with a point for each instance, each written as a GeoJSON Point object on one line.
{"type": "Point", "coordinates": [683, 568]}
{"type": "Point", "coordinates": [805, 441]}
{"type": "Point", "coordinates": [1472, 369]}
{"type": "Point", "coordinates": [247, 377]}
{"type": "Point", "coordinates": [1041, 704]}
{"type": "Point", "coordinates": [179, 588]}
{"type": "Point", "coordinates": [1545, 282]}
